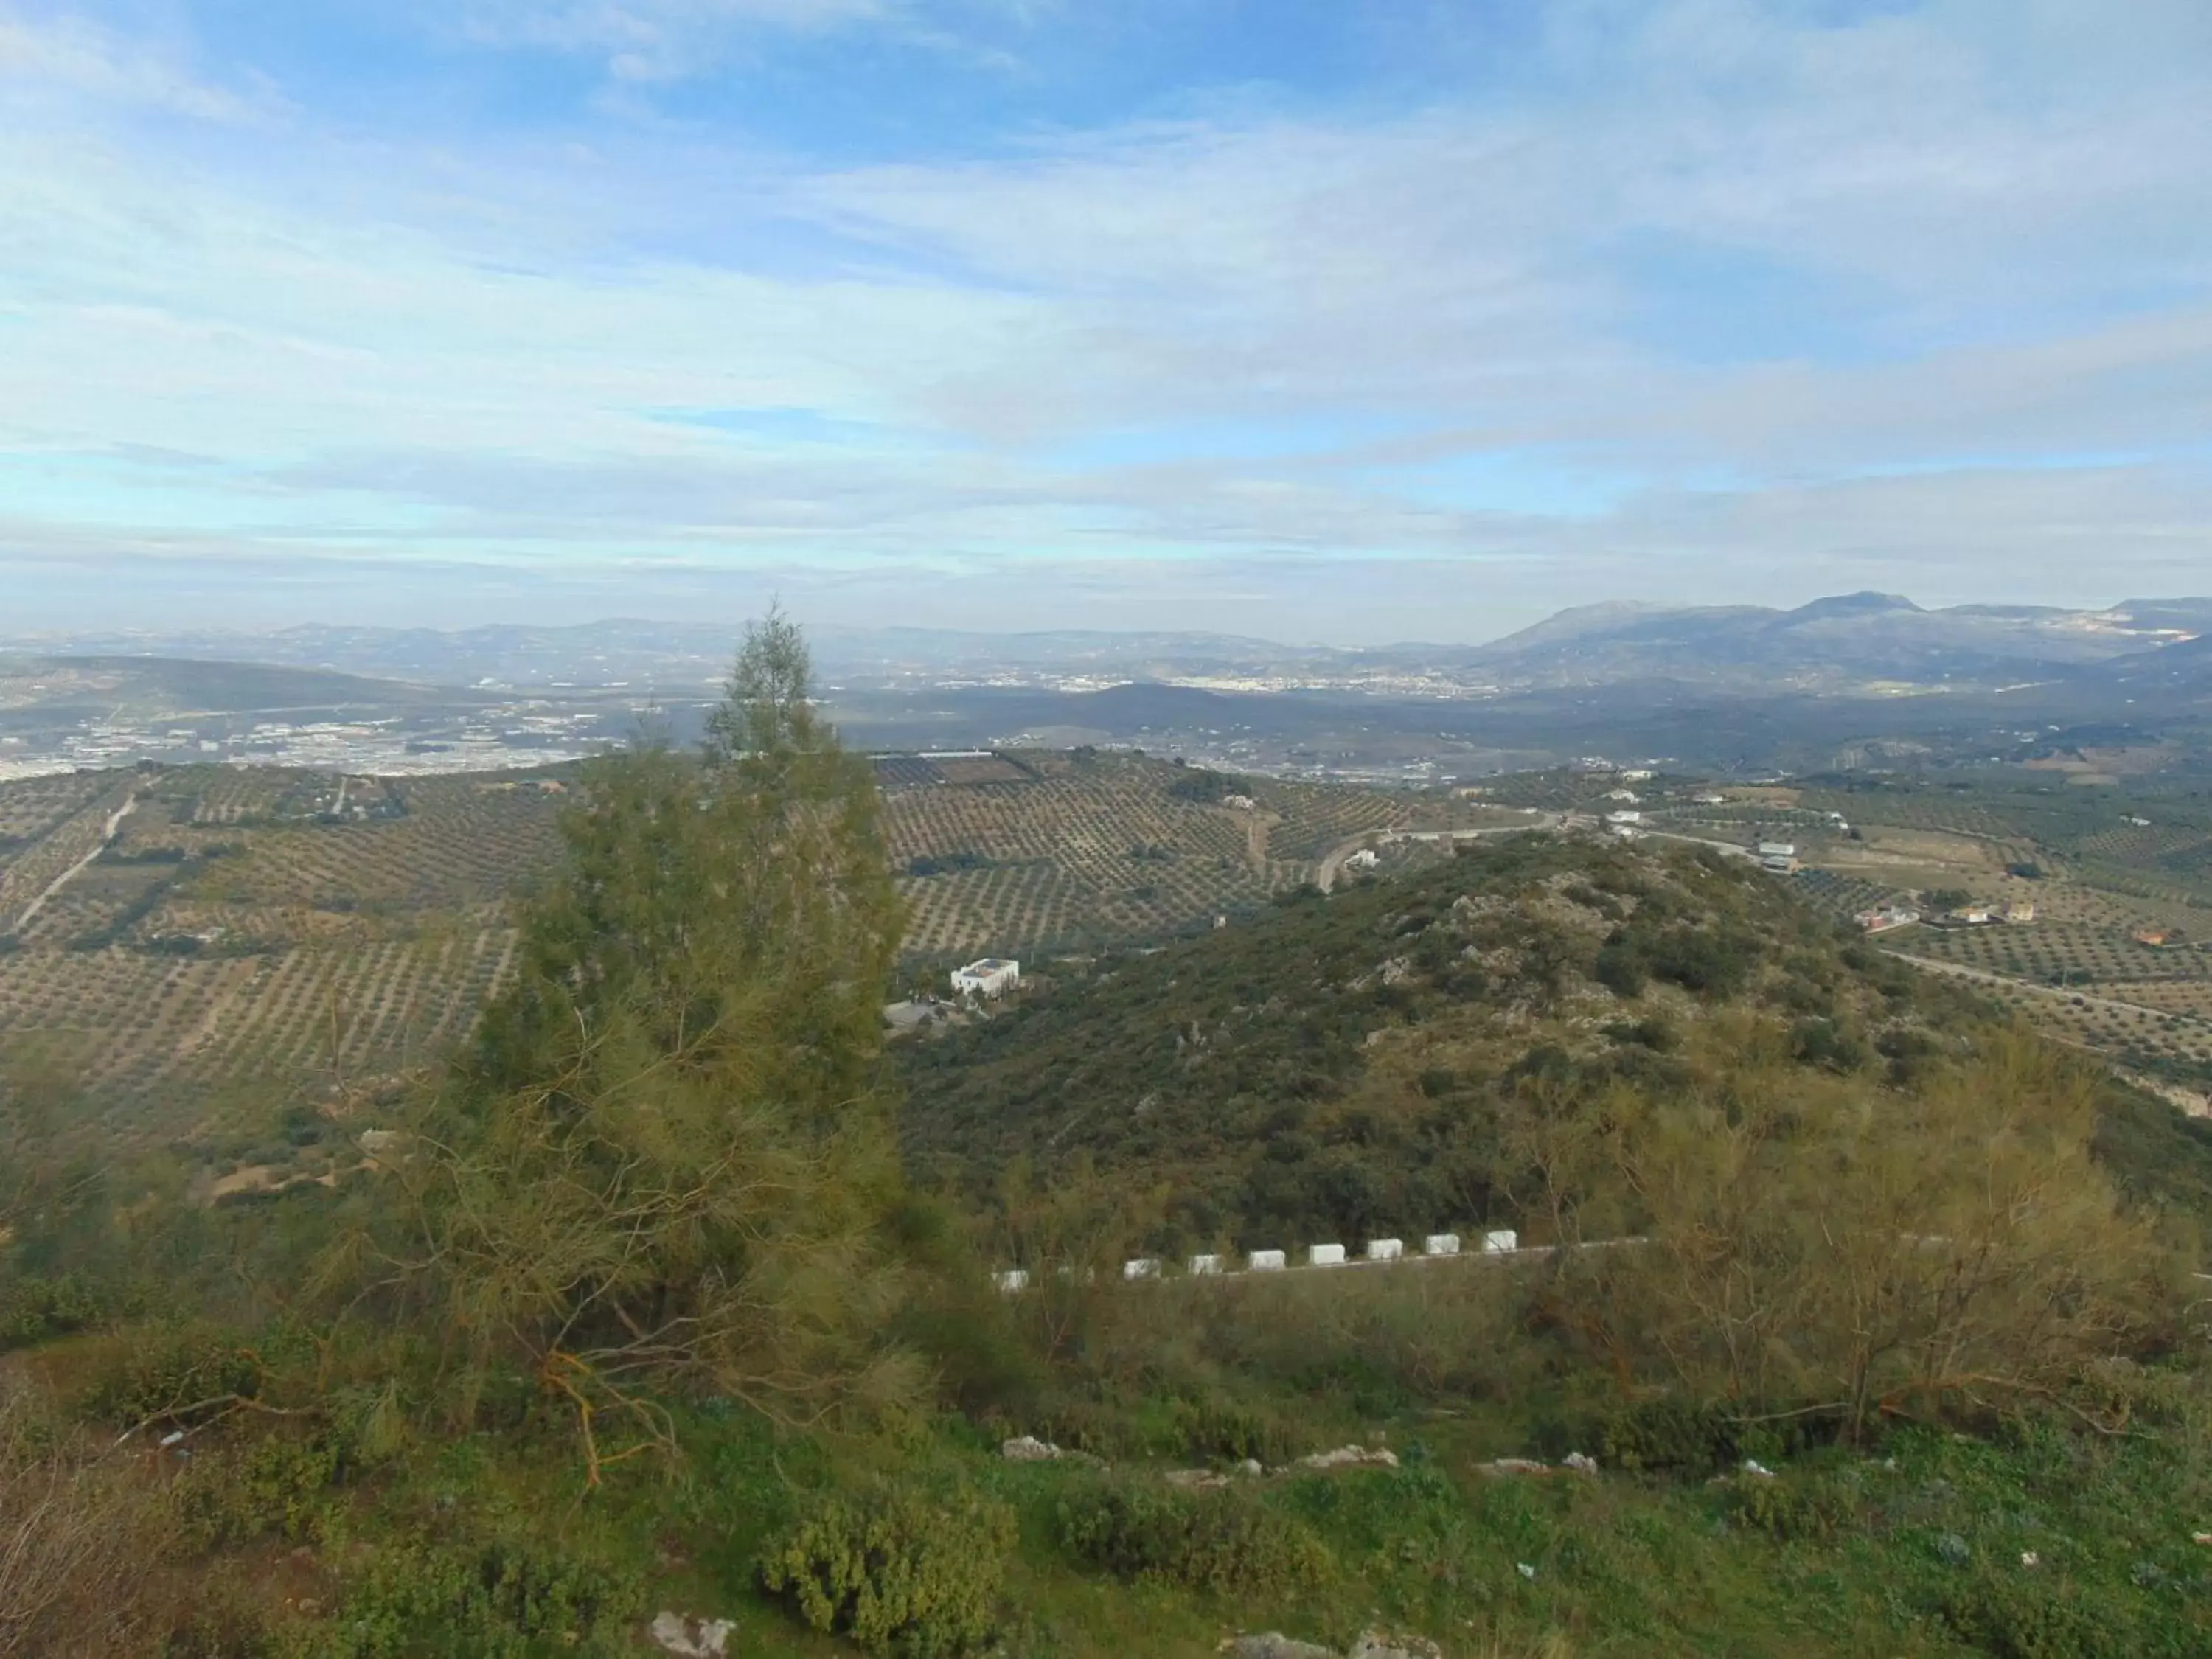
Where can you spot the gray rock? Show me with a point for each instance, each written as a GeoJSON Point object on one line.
{"type": "Point", "coordinates": [1352, 1457]}
{"type": "Point", "coordinates": [690, 1638]}
{"type": "Point", "coordinates": [1027, 1448]}
{"type": "Point", "coordinates": [1502, 1465]}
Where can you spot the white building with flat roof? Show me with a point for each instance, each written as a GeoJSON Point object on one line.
{"type": "Point", "coordinates": [991, 976]}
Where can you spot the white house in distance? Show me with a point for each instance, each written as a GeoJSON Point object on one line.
{"type": "Point", "coordinates": [991, 976]}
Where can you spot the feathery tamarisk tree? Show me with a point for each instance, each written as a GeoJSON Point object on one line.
{"type": "Point", "coordinates": [665, 1163]}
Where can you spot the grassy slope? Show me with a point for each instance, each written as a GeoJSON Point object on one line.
{"type": "Point", "coordinates": [1912, 1547]}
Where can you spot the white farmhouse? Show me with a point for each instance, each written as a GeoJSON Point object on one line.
{"type": "Point", "coordinates": [1624, 817]}
{"type": "Point", "coordinates": [991, 976]}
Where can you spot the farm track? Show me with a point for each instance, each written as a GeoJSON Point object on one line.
{"type": "Point", "coordinates": [107, 835]}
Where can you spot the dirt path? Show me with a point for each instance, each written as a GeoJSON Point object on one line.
{"type": "Point", "coordinates": [106, 834]}
{"type": "Point", "coordinates": [1257, 826]}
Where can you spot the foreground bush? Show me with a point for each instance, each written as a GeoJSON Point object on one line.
{"type": "Point", "coordinates": [1209, 1541]}
{"type": "Point", "coordinates": [898, 1571]}
{"type": "Point", "coordinates": [496, 1602]}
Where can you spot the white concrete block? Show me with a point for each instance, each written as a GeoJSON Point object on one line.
{"type": "Point", "coordinates": [1500, 1241]}
{"type": "Point", "coordinates": [1012, 1279]}
{"type": "Point", "coordinates": [1205, 1264]}
{"type": "Point", "coordinates": [1441, 1244]}
{"type": "Point", "coordinates": [1262, 1261]}
{"type": "Point", "coordinates": [1385, 1249]}
{"type": "Point", "coordinates": [1143, 1267]}
{"type": "Point", "coordinates": [1325, 1255]}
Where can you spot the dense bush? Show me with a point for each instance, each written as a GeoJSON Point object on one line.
{"type": "Point", "coordinates": [34, 1310]}
{"type": "Point", "coordinates": [900, 1571]}
{"type": "Point", "coordinates": [1232, 1431]}
{"type": "Point", "coordinates": [1226, 1540]}
{"type": "Point", "coordinates": [149, 1374]}
{"type": "Point", "coordinates": [2015, 1615]}
{"type": "Point", "coordinates": [1619, 970]}
{"type": "Point", "coordinates": [503, 1602]}
{"type": "Point", "coordinates": [1201, 787]}
{"type": "Point", "coordinates": [1793, 1508]}
{"type": "Point", "coordinates": [281, 1486]}
{"type": "Point", "coordinates": [1668, 1436]}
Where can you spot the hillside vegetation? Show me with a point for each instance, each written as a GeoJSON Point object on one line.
{"type": "Point", "coordinates": [1354, 1068]}
{"type": "Point", "coordinates": [1867, 1317]}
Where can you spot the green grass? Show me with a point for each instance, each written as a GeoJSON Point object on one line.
{"type": "Point", "coordinates": [1913, 1546]}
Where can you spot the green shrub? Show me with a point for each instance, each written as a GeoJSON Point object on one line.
{"type": "Point", "coordinates": [899, 1571]}
{"type": "Point", "coordinates": [1209, 1541]}
{"type": "Point", "coordinates": [1792, 1507]}
{"type": "Point", "coordinates": [281, 1487]}
{"type": "Point", "coordinates": [1673, 1436]}
{"type": "Point", "coordinates": [1701, 959]}
{"type": "Point", "coordinates": [152, 1374]}
{"type": "Point", "coordinates": [502, 1601]}
{"type": "Point", "coordinates": [1825, 1044]}
{"type": "Point", "coordinates": [36, 1309]}
{"type": "Point", "coordinates": [2023, 1615]}
{"type": "Point", "coordinates": [1619, 970]}
{"type": "Point", "coordinates": [1228, 1431]}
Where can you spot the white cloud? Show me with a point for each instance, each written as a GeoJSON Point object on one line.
{"type": "Point", "coordinates": [1992, 234]}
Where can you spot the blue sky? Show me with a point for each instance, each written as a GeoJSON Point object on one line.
{"type": "Point", "coordinates": [1400, 319]}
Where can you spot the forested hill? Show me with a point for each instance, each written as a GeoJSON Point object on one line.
{"type": "Point", "coordinates": [1360, 1065]}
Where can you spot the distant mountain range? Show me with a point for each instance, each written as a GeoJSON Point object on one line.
{"type": "Point", "coordinates": [1856, 643]}
{"type": "Point", "coordinates": [1851, 641]}
{"type": "Point", "coordinates": [50, 689]}
{"type": "Point", "coordinates": [1736, 689]}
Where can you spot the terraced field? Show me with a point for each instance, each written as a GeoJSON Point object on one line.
{"type": "Point", "coordinates": [2100, 866]}
{"type": "Point", "coordinates": [1076, 853]}
{"type": "Point", "coordinates": [248, 944]}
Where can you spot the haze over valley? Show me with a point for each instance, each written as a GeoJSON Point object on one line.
{"type": "Point", "coordinates": [1848, 682]}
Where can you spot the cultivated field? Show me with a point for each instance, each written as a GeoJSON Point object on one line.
{"type": "Point", "coordinates": [241, 947]}
{"type": "Point", "coordinates": [1057, 853]}
{"type": "Point", "coordinates": [249, 945]}
{"type": "Point", "coordinates": [2101, 865]}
